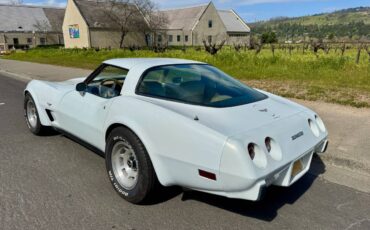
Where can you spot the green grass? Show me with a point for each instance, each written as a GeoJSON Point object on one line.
{"type": "Point", "coordinates": [329, 77]}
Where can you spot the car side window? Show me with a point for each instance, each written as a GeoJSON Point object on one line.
{"type": "Point", "coordinates": [108, 82]}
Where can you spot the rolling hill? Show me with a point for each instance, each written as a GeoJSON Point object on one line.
{"type": "Point", "coordinates": [351, 23]}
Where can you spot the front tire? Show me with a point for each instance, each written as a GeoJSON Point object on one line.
{"type": "Point", "coordinates": [129, 167]}
{"type": "Point", "coordinates": [32, 116]}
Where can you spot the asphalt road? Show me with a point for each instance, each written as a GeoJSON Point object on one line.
{"type": "Point", "coordinates": [53, 182]}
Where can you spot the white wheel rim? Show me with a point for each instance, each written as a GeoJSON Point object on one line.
{"type": "Point", "coordinates": [125, 165]}
{"type": "Point", "coordinates": [31, 114]}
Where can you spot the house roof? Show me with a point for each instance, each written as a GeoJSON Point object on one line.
{"type": "Point", "coordinates": [233, 22]}
{"type": "Point", "coordinates": [23, 18]}
{"type": "Point", "coordinates": [97, 13]}
{"type": "Point", "coordinates": [184, 18]}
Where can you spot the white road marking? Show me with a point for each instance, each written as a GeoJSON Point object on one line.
{"type": "Point", "coordinates": [2, 103]}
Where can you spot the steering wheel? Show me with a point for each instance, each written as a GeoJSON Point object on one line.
{"type": "Point", "coordinates": [111, 90]}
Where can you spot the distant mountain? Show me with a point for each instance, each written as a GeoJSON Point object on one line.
{"type": "Point", "coordinates": [349, 23]}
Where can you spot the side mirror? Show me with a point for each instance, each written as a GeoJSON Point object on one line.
{"type": "Point", "coordinates": [81, 87]}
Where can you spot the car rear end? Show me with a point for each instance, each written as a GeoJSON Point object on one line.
{"type": "Point", "coordinates": [278, 153]}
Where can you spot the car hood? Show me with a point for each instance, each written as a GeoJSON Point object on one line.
{"type": "Point", "coordinates": [65, 85]}
{"type": "Point", "coordinates": [233, 120]}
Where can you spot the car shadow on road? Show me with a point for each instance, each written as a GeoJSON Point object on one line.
{"type": "Point", "coordinates": [267, 208]}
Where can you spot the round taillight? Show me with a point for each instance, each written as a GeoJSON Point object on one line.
{"type": "Point", "coordinates": [314, 127]}
{"type": "Point", "coordinates": [320, 123]}
{"type": "Point", "coordinates": [251, 151]}
{"type": "Point", "coordinates": [268, 144]}
{"type": "Point", "coordinates": [273, 148]}
{"type": "Point", "coordinates": [257, 155]}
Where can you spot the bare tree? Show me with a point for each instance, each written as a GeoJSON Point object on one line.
{"type": "Point", "coordinates": [304, 47]}
{"type": "Point", "coordinates": [290, 48]}
{"type": "Point", "coordinates": [42, 26]}
{"type": "Point", "coordinates": [213, 48]}
{"type": "Point", "coordinates": [316, 46]}
{"type": "Point", "coordinates": [342, 49]}
{"type": "Point", "coordinates": [156, 21]}
{"type": "Point", "coordinates": [327, 48]}
{"type": "Point", "coordinates": [258, 47]}
{"type": "Point", "coordinates": [272, 46]}
{"type": "Point", "coordinates": [368, 51]}
{"type": "Point", "coordinates": [358, 55]}
{"type": "Point", "coordinates": [237, 47]}
{"type": "Point", "coordinates": [125, 15]}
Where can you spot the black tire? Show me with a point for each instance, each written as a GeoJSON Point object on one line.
{"type": "Point", "coordinates": [146, 178]}
{"type": "Point", "coordinates": [37, 128]}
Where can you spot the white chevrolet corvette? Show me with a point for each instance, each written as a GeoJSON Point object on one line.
{"type": "Point", "coordinates": [180, 122]}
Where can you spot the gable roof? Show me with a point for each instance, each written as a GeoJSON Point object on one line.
{"type": "Point", "coordinates": [184, 18]}
{"type": "Point", "coordinates": [23, 18]}
{"type": "Point", "coordinates": [96, 13]}
{"type": "Point", "coordinates": [55, 17]}
{"type": "Point", "coordinates": [233, 22]}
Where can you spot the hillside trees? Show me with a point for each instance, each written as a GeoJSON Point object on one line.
{"type": "Point", "coordinates": [295, 30]}
{"type": "Point", "coordinates": [269, 37]}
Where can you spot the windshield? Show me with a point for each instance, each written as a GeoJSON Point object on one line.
{"type": "Point", "coordinates": [198, 84]}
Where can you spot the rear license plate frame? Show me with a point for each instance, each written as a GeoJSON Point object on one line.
{"type": "Point", "coordinates": [297, 167]}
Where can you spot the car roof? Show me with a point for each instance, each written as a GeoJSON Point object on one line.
{"type": "Point", "coordinates": [128, 63]}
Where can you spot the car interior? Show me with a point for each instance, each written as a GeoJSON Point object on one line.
{"type": "Point", "coordinates": [184, 84]}
{"type": "Point", "coordinates": [108, 83]}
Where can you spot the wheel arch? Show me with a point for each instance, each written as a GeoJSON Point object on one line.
{"type": "Point", "coordinates": [42, 113]}
{"type": "Point", "coordinates": [158, 169]}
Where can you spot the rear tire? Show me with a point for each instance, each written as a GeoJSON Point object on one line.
{"type": "Point", "coordinates": [32, 116]}
{"type": "Point", "coordinates": [129, 167]}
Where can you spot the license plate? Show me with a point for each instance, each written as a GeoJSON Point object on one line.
{"type": "Point", "coordinates": [297, 167]}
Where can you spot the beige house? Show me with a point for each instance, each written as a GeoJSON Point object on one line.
{"type": "Point", "coordinates": [190, 26]}
{"type": "Point", "coordinates": [23, 27]}
{"type": "Point", "coordinates": [88, 24]}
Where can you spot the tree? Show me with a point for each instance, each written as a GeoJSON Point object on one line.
{"type": "Point", "coordinates": [269, 37]}
{"type": "Point", "coordinates": [213, 48]}
{"type": "Point", "coordinates": [127, 16]}
{"type": "Point", "coordinates": [42, 26]}
{"type": "Point", "coordinates": [156, 21]}
{"type": "Point", "coordinates": [367, 51]}
{"type": "Point", "coordinates": [331, 36]}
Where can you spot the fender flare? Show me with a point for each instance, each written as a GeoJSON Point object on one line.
{"type": "Point", "coordinates": [42, 113]}
{"type": "Point", "coordinates": [160, 169]}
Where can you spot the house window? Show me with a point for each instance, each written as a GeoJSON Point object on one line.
{"type": "Point", "coordinates": [29, 40]}
{"type": "Point", "coordinates": [170, 38]}
{"type": "Point", "coordinates": [42, 41]}
{"type": "Point", "coordinates": [159, 38]}
{"type": "Point", "coordinates": [238, 35]}
{"type": "Point", "coordinates": [210, 24]}
{"type": "Point", "coordinates": [15, 41]}
{"type": "Point", "coordinates": [186, 38]}
{"type": "Point", "coordinates": [210, 39]}
{"type": "Point", "coordinates": [178, 38]}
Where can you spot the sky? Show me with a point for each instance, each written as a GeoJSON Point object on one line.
{"type": "Point", "coordinates": [249, 10]}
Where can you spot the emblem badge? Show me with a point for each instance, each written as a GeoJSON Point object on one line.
{"type": "Point", "coordinates": [297, 135]}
